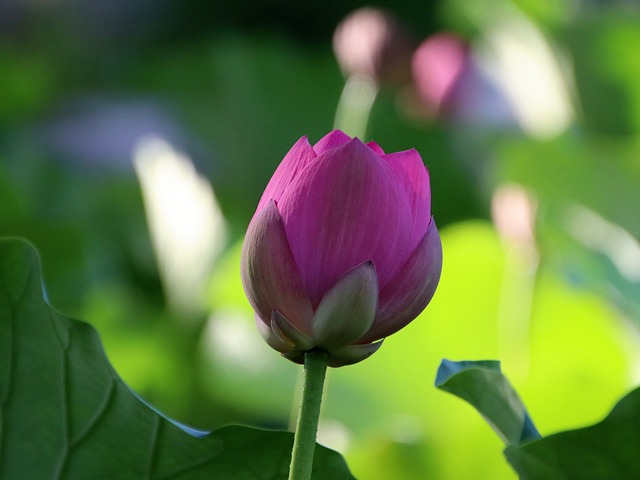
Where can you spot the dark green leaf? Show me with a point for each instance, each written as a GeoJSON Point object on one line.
{"type": "Point", "coordinates": [66, 414]}
{"type": "Point", "coordinates": [483, 385]}
{"type": "Point", "coordinates": [605, 451]}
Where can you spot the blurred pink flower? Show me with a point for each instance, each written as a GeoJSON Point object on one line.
{"type": "Point", "coordinates": [438, 64]}
{"type": "Point", "coordinates": [342, 250]}
{"type": "Point", "coordinates": [451, 85]}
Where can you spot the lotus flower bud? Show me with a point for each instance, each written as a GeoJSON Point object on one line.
{"type": "Point", "coordinates": [372, 42]}
{"type": "Point", "coordinates": [452, 84]}
{"type": "Point", "coordinates": [438, 65]}
{"type": "Point", "coordinates": [342, 250]}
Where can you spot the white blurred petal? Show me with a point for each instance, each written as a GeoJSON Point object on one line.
{"type": "Point", "coordinates": [187, 228]}
{"type": "Point", "coordinates": [516, 56]}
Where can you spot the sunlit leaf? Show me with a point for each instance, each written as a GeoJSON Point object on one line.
{"type": "Point", "coordinates": [588, 228]}
{"type": "Point", "coordinates": [568, 171]}
{"type": "Point", "coordinates": [606, 69]}
{"type": "Point", "coordinates": [66, 414]}
{"type": "Point", "coordinates": [483, 385]}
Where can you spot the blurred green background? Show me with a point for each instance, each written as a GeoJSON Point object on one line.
{"type": "Point", "coordinates": [136, 138]}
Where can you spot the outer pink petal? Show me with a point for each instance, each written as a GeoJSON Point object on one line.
{"type": "Point", "coordinates": [411, 290]}
{"type": "Point", "coordinates": [342, 210]}
{"type": "Point", "coordinates": [375, 147]}
{"type": "Point", "coordinates": [331, 140]}
{"type": "Point", "coordinates": [270, 276]}
{"type": "Point", "coordinates": [298, 157]}
{"type": "Point", "coordinates": [413, 178]}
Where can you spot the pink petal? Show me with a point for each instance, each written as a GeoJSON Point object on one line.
{"type": "Point", "coordinates": [375, 147]}
{"type": "Point", "coordinates": [413, 177]}
{"type": "Point", "coordinates": [344, 209]}
{"type": "Point", "coordinates": [298, 157]}
{"type": "Point", "coordinates": [269, 273]}
{"type": "Point", "coordinates": [411, 290]}
{"type": "Point", "coordinates": [331, 140]}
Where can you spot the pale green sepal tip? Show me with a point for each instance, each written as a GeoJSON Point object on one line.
{"type": "Point", "coordinates": [352, 354]}
{"type": "Point", "coordinates": [347, 311]}
{"type": "Point", "coordinates": [273, 340]}
{"type": "Point", "coordinates": [289, 334]}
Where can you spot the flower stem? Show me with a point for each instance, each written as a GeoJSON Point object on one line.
{"type": "Point", "coordinates": [304, 443]}
{"type": "Point", "coordinates": [355, 104]}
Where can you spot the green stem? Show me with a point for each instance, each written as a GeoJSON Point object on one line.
{"type": "Point", "coordinates": [304, 443]}
{"type": "Point", "coordinates": [354, 108]}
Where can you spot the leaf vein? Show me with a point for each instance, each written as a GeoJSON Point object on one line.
{"type": "Point", "coordinates": [93, 421]}
{"type": "Point", "coordinates": [65, 407]}
{"type": "Point", "coordinates": [185, 468]}
{"type": "Point", "coordinates": [6, 393]}
{"type": "Point", "coordinates": [153, 447]}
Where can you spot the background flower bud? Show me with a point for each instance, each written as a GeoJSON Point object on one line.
{"type": "Point", "coordinates": [342, 250]}
{"type": "Point", "coordinates": [372, 42]}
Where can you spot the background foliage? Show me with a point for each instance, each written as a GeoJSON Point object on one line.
{"type": "Point", "coordinates": [82, 81]}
